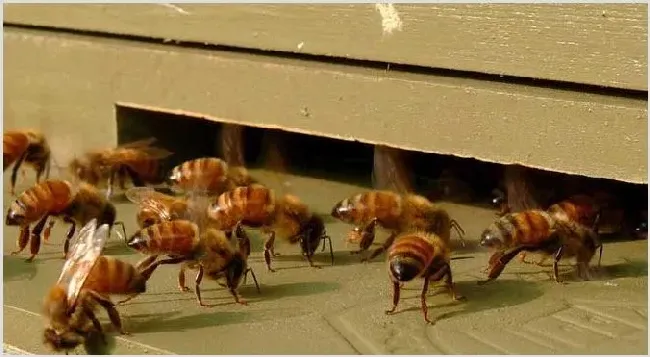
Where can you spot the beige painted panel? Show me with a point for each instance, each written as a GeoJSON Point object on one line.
{"type": "Point", "coordinates": [68, 85]}
{"type": "Point", "coordinates": [601, 44]}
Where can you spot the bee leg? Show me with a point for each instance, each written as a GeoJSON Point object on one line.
{"type": "Point", "coordinates": [396, 290]}
{"type": "Point", "coordinates": [141, 265]}
{"type": "Point", "coordinates": [23, 238]}
{"type": "Point", "coordinates": [35, 243]}
{"type": "Point", "coordinates": [111, 179]}
{"type": "Point", "coordinates": [499, 260]}
{"type": "Point", "coordinates": [135, 179]}
{"type": "Point", "coordinates": [14, 172]}
{"type": "Point", "coordinates": [423, 301]}
{"type": "Point", "coordinates": [450, 285]}
{"type": "Point", "coordinates": [460, 231]}
{"type": "Point", "coordinates": [329, 239]}
{"type": "Point", "coordinates": [244, 240]}
{"type": "Point", "coordinates": [113, 315]}
{"type": "Point", "coordinates": [197, 286]}
{"type": "Point", "coordinates": [48, 230]}
{"type": "Point", "coordinates": [121, 224]}
{"type": "Point", "coordinates": [268, 247]}
{"type": "Point", "coordinates": [121, 180]}
{"type": "Point", "coordinates": [389, 241]}
{"type": "Point", "coordinates": [146, 273]}
{"type": "Point", "coordinates": [556, 259]}
{"type": "Point", "coordinates": [254, 279]}
{"type": "Point", "coordinates": [70, 234]}
{"type": "Point", "coordinates": [93, 318]}
{"type": "Point", "coordinates": [233, 290]}
{"type": "Point", "coordinates": [181, 280]}
{"type": "Point", "coordinates": [541, 261]}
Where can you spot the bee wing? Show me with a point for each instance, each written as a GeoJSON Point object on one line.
{"type": "Point", "coordinates": [147, 197]}
{"type": "Point", "coordinates": [81, 258]}
{"type": "Point", "coordinates": [142, 143]}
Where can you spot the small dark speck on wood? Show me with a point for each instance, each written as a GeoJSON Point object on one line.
{"type": "Point", "coordinates": [305, 112]}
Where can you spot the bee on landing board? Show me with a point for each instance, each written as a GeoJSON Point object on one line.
{"type": "Point", "coordinates": [256, 206]}
{"type": "Point", "coordinates": [538, 232]}
{"type": "Point", "coordinates": [74, 204]}
{"type": "Point", "coordinates": [139, 161]}
{"type": "Point", "coordinates": [208, 175]}
{"type": "Point", "coordinates": [207, 250]}
{"type": "Point", "coordinates": [394, 212]}
{"type": "Point", "coordinates": [25, 147]}
{"type": "Point", "coordinates": [419, 254]}
{"type": "Point", "coordinates": [86, 282]}
{"type": "Point", "coordinates": [155, 207]}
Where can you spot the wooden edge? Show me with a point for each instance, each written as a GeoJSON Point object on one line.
{"type": "Point", "coordinates": [595, 44]}
{"type": "Point", "coordinates": [574, 133]}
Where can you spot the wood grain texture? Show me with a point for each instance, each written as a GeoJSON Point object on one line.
{"type": "Point", "coordinates": [600, 44]}
{"type": "Point", "coordinates": [68, 85]}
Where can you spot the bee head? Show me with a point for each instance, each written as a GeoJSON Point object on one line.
{"type": "Point", "coordinates": [137, 241]}
{"type": "Point", "coordinates": [342, 210]}
{"type": "Point", "coordinates": [174, 176]}
{"type": "Point", "coordinates": [404, 269]}
{"type": "Point", "coordinates": [65, 341]}
{"type": "Point", "coordinates": [491, 239]}
{"type": "Point", "coordinates": [311, 234]}
{"type": "Point", "coordinates": [16, 214]}
{"type": "Point", "coordinates": [108, 215]}
{"type": "Point", "coordinates": [498, 198]}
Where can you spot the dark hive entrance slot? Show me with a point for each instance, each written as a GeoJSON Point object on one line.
{"type": "Point", "coordinates": [309, 155]}
{"type": "Point", "coordinates": [187, 137]}
{"type": "Point", "coordinates": [191, 137]}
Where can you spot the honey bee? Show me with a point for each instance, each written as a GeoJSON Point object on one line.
{"type": "Point", "coordinates": [137, 160]}
{"type": "Point", "coordinates": [209, 175]}
{"type": "Point", "coordinates": [86, 281]}
{"type": "Point", "coordinates": [394, 212]}
{"type": "Point", "coordinates": [155, 207]}
{"type": "Point", "coordinates": [29, 147]}
{"type": "Point", "coordinates": [256, 206]}
{"type": "Point", "coordinates": [539, 232]}
{"type": "Point", "coordinates": [75, 204]}
{"type": "Point", "coordinates": [419, 254]}
{"type": "Point", "coordinates": [209, 251]}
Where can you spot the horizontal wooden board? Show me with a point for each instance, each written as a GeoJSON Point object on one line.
{"type": "Point", "coordinates": [68, 85]}
{"type": "Point", "coordinates": [599, 44]}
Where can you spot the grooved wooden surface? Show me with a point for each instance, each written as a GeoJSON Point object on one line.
{"type": "Point", "coordinates": [600, 44]}
{"type": "Point", "coordinates": [69, 84]}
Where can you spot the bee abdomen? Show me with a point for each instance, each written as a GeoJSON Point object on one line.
{"type": "Point", "coordinates": [176, 237]}
{"type": "Point", "coordinates": [527, 227]}
{"type": "Point", "coordinates": [204, 173]}
{"type": "Point", "coordinates": [110, 275]}
{"type": "Point", "coordinates": [49, 195]}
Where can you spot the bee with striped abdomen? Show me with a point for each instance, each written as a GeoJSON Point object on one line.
{"type": "Point", "coordinates": [256, 206]}
{"type": "Point", "coordinates": [86, 281]}
{"type": "Point", "coordinates": [207, 250]}
{"type": "Point", "coordinates": [29, 147]}
{"type": "Point", "coordinates": [396, 213]}
{"type": "Point", "coordinates": [138, 160]}
{"type": "Point", "coordinates": [419, 254]}
{"type": "Point", "coordinates": [155, 207]}
{"type": "Point", "coordinates": [75, 204]}
{"type": "Point", "coordinates": [538, 232]}
{"type": "Point", "coordinates": [208, 175]}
